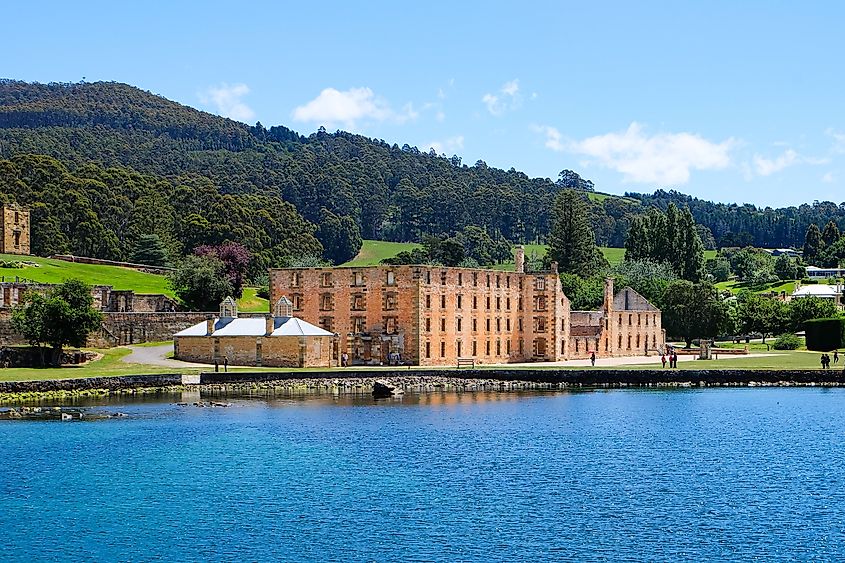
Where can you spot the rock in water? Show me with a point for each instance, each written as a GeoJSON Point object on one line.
{"type": "Point", "coordinates": [383, 390]}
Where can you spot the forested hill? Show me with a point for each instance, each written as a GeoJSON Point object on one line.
{"type": "Point", "coordinates": [749, 225]}
{"type": "Point", "coordinates": [390, 192]}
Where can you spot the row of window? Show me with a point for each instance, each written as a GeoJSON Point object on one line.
{"type": "Point", "coordinates": [473, 349]}
{"type": "Point", "coordinates": [640, 317]}
{"type": "Point", "coordinates": [390, 302]}
{"type": "Point", "coordinates": [540, 324]}
{"type": "Point", "coordinates": [359, 278]}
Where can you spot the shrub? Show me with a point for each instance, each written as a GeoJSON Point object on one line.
{"type": "Point", "coordinates": [787, 342]}
{"type": "Point", "coordinates": [824, 335]}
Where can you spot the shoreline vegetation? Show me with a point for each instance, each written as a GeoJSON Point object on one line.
{"type": "Point", "coordinates": [269, 385]}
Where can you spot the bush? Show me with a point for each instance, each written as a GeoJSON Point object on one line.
{"type": "Point", "coordinates": [787, 342]}
{"type": "Point", "coordinates": [824, 335]}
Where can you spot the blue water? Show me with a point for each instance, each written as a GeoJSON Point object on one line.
{"type": "Point", "coordinates": [697, 475]}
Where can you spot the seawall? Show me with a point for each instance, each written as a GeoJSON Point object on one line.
{"type": "Point", "coordinates": [466, 379]}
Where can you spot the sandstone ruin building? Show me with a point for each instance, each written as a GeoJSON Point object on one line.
{"type": "Point", "coordinates": [15, 235]}
{"type": "Point", "coordinates": [431, 315]}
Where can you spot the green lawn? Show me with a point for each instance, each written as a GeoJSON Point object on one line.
{"type": "Point", "coordinates": [109, 365]}
{"type": "Point", "coordinates": [778, 286]}
{"type": "Point", "coordinates": [57, 271]}
{"type": "Point", "coordinates": [251, 303]}
{"type": "Point", "coordinates": [374, 251]}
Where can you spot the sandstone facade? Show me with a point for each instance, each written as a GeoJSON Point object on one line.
{"type": "Point", "coordinates": [278, 340]}
{"type": "Point", "coordinates": [436, 315]}
{"type": "Point", "coordinates": [15, 235]}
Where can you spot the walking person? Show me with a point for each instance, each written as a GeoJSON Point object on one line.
{"type": "Point", "coordinates": [663, 360]}
{"type": "Point", "coordinates": [823, 362]}
{"type": "Point", "coordinates": [674, 359]}
{"type": "Point", "coordinates": [593, 358]}
{"type": "Point", "coordinates": [344, 360]}
{"type": "Point", "coordinates": [226, 364]}
{"type": "Point", "coordinates": [835, 357]}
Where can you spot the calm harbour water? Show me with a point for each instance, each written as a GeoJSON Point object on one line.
{"type": "Point", "coordinates": [682, 475]}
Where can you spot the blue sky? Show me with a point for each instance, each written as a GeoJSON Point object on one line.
{"type": "Point", "coordinates": [730, 101]}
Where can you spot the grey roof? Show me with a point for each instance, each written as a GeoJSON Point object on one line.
{"type": "Point", "coordinates": [630, 300]}
{"type": "Point", "coordinates": [256, 326]}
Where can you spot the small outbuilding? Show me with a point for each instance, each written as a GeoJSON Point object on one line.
{"type": "Point", "coordinates": [277, 340]}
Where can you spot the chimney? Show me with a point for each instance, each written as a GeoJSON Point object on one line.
{"type": "Point", "coordinates": [553, 267]}
{"type": "Point", "coordinates": [608, 294]}
{"type": "Point", "coordinates": [520, 260]}
{"type": "Point", "coordinates": [209, 325]}
{"type": "Point", "coordinates": [269, 324]}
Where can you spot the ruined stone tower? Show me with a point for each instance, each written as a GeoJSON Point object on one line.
{"type": "Point", "coordinates": [15, 235]}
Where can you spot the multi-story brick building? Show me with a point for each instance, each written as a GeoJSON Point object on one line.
{"type": "Point", "coordinates": [15, 234]}
{"type": "Point", "coordinates": [431, 315]}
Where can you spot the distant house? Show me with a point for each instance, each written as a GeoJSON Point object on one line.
{"type": "Point", "coordinates": [278, 340]}
{"type": "Point", "coordinates": [822, 291]}
{"type": "Point", "coordinates": [791, 252]}
{"type": "Point", "coordinates": [824, 273]}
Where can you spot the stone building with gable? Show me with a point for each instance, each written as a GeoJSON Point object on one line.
{"type": "Point", "coordinates": [278, 340]}
{"type": "Point", "coordinates": [432, 315]}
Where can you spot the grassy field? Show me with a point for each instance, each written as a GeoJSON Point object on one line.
{"type": "Point", "coordinates": [109, 365]}
{"type": "Point", "coordinates": [251, 303]}
{"type": "Point", "coordinates": [374, 251]}
{"type": "Point", "coordinates": [736, 287]}
{"type": "Point", "coordinates": [56, 271]}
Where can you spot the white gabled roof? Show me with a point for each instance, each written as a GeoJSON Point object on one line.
{"type": "Point", "coordinates": [256, 326]}
{"type": "Point", "coordinates": [820, 290]}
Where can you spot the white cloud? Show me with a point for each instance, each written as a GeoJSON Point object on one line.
{"type": "Point", "coordinates": [440, 116]}
{"type": "Point", "coordinates": [507, 98]}
{"type": "Point", "coordinates": [227, 101]}
{"type": "Point", "coordinates": [838, 141]}
{"type": "Point", "coordinates": [828, 178]}
{"type": "Point", "coordinates": [662, 158]}
{"type": "Point", "coordinates": [768, 166]}
{"type": "Point", "coordinates": [347, 107]}
{"type": "Point", "coordinates": [511, 88]}
{"type": "Point", "coordinates": [450, 145]}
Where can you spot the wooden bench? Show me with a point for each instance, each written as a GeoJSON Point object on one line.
{"type": "Point", "coordinates": [466, 362]}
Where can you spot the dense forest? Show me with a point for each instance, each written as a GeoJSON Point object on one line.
{"type": "Point", "coordinates": [131, 162]}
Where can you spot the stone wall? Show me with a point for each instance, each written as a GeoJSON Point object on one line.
{"type": "Point", "coordinates": [275, 351]}
{"type": "Point", "coordinates": [120, 329]}
{"type": "Point", "coordinates": [161, 270]}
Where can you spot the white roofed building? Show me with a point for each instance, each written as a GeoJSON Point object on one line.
{"type": "Point", "coordinates": [277, 340]}
{"type": "Point", "coordinates": [822, 291]}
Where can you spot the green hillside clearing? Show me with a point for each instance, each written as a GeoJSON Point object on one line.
{"type": "Point", "coordinates": [373, 251]}
{"type": "Point", "coordinates": [57, 271]}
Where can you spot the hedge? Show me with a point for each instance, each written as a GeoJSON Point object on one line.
{"type": "Point", "coordinates": [824, 335]}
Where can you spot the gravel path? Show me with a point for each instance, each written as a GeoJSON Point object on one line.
{"type": "Point", "coordinates": [155, 356]}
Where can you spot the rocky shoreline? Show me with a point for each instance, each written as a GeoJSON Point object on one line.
{"type": "Point", "coordinates": [421, 383]}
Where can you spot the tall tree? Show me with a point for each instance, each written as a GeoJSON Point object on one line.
{"type": "Point", "coordinates": [65, 316]}
{"type": "Point", "coordinates": [572, 242]}
{"type": "Point", "coordinates": [693, 311]}
{"type": "Point", "coordinates": [813, 243]}
{"type": "Point", "coordinates": [200, 282]}
{"type": "Point", "coordinates": [150, 250]}
{"type": "Point", "coordinates": [690, 251]}
{"type": "Point", "coordinates": [340, 236]}
{"type": "Point", "coordinates": [831, 233]}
